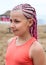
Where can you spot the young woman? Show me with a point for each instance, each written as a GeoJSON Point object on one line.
{"type": "Point", "coordinates": [24, 49]}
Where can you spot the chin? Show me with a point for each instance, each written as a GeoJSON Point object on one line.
{"type": "Point", "coordinates": [18, 35]}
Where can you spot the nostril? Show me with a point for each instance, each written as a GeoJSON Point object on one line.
{"type": "Point", "coordinates": [12, 25]}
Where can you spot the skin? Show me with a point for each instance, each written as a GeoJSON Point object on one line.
{"type": "Point", "coordinates": [20, 27]}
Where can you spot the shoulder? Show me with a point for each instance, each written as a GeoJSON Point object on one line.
{"type": "Point", "coordinates": [37, 53]}
{"type": "Point", "coordinates": [36, 48]}
{"type": "Point", "coordinates": [11, 39]}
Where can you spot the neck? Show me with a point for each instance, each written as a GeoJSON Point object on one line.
{"type": "Point", "coordinates": [25, 37]}
{"type": "Point", "coordinates": [22, 39]}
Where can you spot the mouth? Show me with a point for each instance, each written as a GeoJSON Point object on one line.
{"type": "Point", "coordinates": [14, 30]}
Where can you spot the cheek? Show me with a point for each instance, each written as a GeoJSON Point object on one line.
{"type": "Point", "coordinates": [23, 27]}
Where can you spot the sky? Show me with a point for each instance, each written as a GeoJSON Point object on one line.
{"type": "Point", "coordinates": [39, 5]}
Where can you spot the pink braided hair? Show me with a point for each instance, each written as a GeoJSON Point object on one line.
{"type": "Point", "coordinates": [29, 12]}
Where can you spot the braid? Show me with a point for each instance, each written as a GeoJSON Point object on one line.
{"type": "Point", "coordinates": [29, 12]}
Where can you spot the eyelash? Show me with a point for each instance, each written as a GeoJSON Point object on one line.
{"type": "Point", "coordinates": [10, 20]}
{"type": "Point", "coordinates": [14, 21]}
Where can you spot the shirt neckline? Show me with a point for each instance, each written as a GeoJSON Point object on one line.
{"type": "Point", "coordinates": [23, 43]}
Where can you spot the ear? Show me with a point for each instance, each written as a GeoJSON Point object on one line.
{"type": "Point", "coordinates": [30, 22]}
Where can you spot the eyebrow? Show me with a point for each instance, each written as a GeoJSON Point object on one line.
{"type": "Point", "coordinates": [15, 19]}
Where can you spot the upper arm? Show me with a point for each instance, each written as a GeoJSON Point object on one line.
{"type": "Point", "coordinates": [38, 55]}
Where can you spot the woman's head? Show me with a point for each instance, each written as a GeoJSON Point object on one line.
{"type": "Point", "coordinates": [26, 13]}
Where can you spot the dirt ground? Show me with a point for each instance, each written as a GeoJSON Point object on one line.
{"type": "Point", "coordinates": [5, 35]}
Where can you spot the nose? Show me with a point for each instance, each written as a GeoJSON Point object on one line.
{"type": "Point", "coordinates": [12, 25]}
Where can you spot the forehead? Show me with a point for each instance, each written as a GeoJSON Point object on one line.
{"type": "Point", "coordinates": [17, 14]}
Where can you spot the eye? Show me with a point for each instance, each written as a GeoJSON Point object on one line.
{"type": "Point", "coordinates": [11, 20]}
{"type": "Point", "coordinates": [16, 21]}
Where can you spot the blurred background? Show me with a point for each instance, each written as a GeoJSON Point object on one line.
{"type": "Point", "coordinates": [5, 32]}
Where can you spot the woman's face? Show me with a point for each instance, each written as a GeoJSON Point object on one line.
{"type": "Point", "coordinates": [19, 24]}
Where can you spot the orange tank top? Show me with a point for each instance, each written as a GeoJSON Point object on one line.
{"type": "Point", "coordinates": [19, 55]}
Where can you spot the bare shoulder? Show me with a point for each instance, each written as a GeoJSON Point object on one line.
{"type": "Point", "coordinates": [37, 53]}
{"type": "Point", "coordinates": [11, 39]}
{"type": "Point", "coordinates": [37, 48]}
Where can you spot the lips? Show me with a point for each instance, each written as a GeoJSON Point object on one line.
{"type": "Point", "coordinates": [14, 30]}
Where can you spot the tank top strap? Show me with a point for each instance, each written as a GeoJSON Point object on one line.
{"type": "Point", "coordinates": [28, 46]}
{"type": "Point", "coordinates": [31, 41]}
{"type": "Point", "coordinates": [28, 43]}
{"type": "Point", "coordinates": [12, 40]}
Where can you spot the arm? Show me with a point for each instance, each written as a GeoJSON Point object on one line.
{"type": "Point", "coordinates": [38, 54]}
